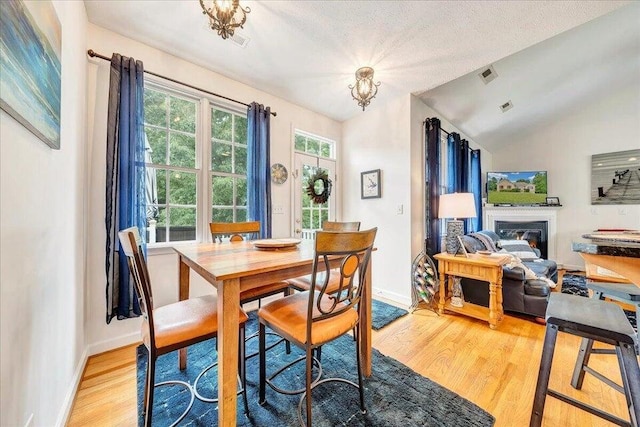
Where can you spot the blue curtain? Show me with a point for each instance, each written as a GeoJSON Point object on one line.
{"type": "Point", "coordinates": [432, 186]}
{"type": "Point", "coordinates": [125, 184]}
{"type": "Point", "coordinates": [258, 176]}
{"type": "Point", "coordinates": [475, 186]}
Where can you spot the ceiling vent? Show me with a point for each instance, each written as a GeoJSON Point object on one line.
{"type": "Point", "coordinates": [240, 39]}
{"type": "Point", "coordinates": [488, 74]}
{"type": "Point", "coordinates": [506, 106]}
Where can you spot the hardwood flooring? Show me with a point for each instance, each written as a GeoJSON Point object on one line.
{"type": "Point", "coordinates": [495, 369]}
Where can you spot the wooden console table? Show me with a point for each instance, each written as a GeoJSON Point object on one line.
{"type": "Point", "coordinates": [480, 267]}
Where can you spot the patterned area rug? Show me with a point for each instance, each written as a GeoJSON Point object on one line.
{"type": "Point", "coordinates": [394, 395]}
{"type": "Point", "coordinates": [382, 314]}
{"type": "Point", "coordinates": [576, 285]}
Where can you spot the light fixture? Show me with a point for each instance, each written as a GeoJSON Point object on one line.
{"type": "Point", "coordinates": [225, 16]}
{"type": "Point", "coordinates": [364, 90]}
{"type": "Point", "coordinates": [456, 205]}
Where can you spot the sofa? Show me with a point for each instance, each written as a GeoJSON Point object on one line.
{"type": "Point", "coordinates": [524, 288]}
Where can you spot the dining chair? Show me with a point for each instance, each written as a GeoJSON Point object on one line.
{"type": "Point", "coordinates": [236, 232]}
{"type": "Point", "coordinates": [311, 319]}
{"type": "Point", "coordinates": [304, 283]}
{"type": "Point", "coordinates": [173, 326]}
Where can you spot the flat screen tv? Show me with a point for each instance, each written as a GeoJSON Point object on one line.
{"type": "Point", "coordinates": [517, 188]}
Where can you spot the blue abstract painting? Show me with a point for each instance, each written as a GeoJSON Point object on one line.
{"type": "Point", "coordinates": [30, 50]}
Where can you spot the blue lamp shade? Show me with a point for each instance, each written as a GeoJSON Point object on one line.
{"type": "Point", "coordinates": [456, 205]}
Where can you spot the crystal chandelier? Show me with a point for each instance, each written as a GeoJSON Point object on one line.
{"type": "Point", "coordinates": [364, 90]}
{"type": "Point", "coordinates": [225, 16]}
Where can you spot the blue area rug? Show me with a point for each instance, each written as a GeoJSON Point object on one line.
{"type": "Point", "coordinates": [383, 314]}
{"type": "Point", "coordinates": [577, 285]}
{"type": "Point", "coordinates": [394, 395]}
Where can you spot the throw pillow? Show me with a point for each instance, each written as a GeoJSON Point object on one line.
{"type": "Point", "coordinates": [486, 241]}
{"type": "Point", "coordinates": [519, 248]}
{"type": "Point", "coordinates": [528, 273]}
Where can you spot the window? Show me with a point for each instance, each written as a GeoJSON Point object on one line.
{"type": "Point", "coordinates": [182, 195]}
{"type": "Point", "coordinates": [314, 145]}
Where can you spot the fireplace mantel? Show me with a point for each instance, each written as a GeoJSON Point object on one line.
{"type": "Point", "coordinates": [525, 213]}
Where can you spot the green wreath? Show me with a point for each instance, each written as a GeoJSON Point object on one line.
{"type": "Point", "coordinates": [319, 188]}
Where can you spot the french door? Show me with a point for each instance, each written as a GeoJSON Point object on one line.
{"type": "Point", "coordinates": [309, 216]}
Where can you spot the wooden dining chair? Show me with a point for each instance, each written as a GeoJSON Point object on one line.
{"type": "Point", "coordinates": [174, 326]}
{"type": "Point", "coordinates": [238, 231]}
{"type": "Point", "coordinates": [311, 319]}
{"type": "Point", "coordinates": [304, 283]}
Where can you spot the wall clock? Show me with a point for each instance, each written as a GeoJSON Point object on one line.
{"type": "Point", "coordinates": [279, 173]}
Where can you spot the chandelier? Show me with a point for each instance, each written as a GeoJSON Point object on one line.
{"type": "Point", "coordinates": [225, 16]}
{"type": "Point", "coordinates": [364, 90]}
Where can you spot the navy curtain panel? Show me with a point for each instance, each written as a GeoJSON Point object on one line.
{"type": "Point", "coordinates": [258, 176]}
{"type": "Point", "coordinates": [458, 170]}
{"type": "Point", "coordinates": [475, 182]}
{"type": "Point", "coordinates": [432, 186]}
{"type": "Point", "coordinates": [125, 185]}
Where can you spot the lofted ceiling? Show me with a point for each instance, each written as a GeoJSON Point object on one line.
{"type": "Point", "coordinates": [306, 52]}
{"type": "Point", "coordinates": [546, 81]}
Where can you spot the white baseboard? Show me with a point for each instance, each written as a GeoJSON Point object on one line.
{"type": "Point", "coordinates": [110, 344]}
{"type": "Point", "coordinates": [392, 297]}
{"type": "Point", "coordinates": [67, 403]}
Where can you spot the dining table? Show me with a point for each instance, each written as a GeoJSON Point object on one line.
{"type": "Point", "coordinates": [234, 267]}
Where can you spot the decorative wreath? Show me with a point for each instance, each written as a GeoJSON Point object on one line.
{"type": "Point", "coordinates": [319, 188]}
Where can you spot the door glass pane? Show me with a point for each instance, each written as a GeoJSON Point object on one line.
{"type": "Point", "coordinates": [300, 143]}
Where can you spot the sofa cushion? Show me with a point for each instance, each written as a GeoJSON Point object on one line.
{"type": "Point", "coordinates": [536, 287]}
{"type": "Point", "coordinates": [472, 245]}
{"type": "Point", "coordinates": [519, 248]}
{"type": "Point", "coordinates": [542, 267]}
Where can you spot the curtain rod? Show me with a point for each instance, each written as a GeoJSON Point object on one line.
{"type": "Point", "coordinates": [93, 54]}
{"type": "Point", "coordinates": [448, 133]}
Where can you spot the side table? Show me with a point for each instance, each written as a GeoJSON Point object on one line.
{"type": "Point", "coordinates": [487, 268]}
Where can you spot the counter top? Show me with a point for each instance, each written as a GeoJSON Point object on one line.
{"type": "Point", "coordinates": [611, 247]}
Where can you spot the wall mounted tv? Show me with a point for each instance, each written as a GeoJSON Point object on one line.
{"type": "Point", "coordinates": [517, 188]}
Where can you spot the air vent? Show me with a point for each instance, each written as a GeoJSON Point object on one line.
{"type": "Point", "coordinates": [240, 39]}
{"type": "Point", "coordinates": [506, 106]}
{"type": "Point", "coordinates": [488, 74]}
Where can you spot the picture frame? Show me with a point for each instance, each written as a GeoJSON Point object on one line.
{"type": "Point", "coordinates": [613, 176]}
{"type": "Point", "coordinates": [553, 201]}
{"type": "Point", "coordinates": [370, 184]}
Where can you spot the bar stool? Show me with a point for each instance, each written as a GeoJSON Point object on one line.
{"type": "Point", "coordinates": [624, 292]}
{"type": "Point", "coordinates": [600, 321]}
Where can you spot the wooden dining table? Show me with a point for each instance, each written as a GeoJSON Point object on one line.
{"type": "Point", "coordinates": [238, 266]}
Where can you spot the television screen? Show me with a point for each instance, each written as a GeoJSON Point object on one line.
{"type": "Point", "coordinates": [517, 188]}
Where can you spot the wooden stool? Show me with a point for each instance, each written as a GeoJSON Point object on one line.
{"type": "Point", "coordinates": [623, 292]}
{"type": "Point", "coordinates": [599, 321]}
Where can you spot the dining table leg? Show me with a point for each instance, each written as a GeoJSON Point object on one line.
{"type": "Point", "coordinates": [228, 340]}
{"type": "Point", "coordinates": [183, 294]}
{"type": "Point", "coordinates": [365, 324]}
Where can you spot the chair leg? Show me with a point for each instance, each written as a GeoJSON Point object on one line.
{"type": "Point", "coordinates": [151, 373]}
{"type": "Point", "coordinates": [631, 379]}
{"type": "Point", "coordinates": [242, 368]}
{"type": "Point", "coordinates": [287, 344]}
{"type": "Point", "coordinates": [363, 409]}
{"type": "Point", "coordinates": [263, 362]}
{"type": "Point", "coordinates": [308, 383]}
{"type": "Point", "coordinates": [584, 354]}
{"type": "Point", "coordinates": [543, 375]}
{"type": "Point", "coordinates": [319, 353]}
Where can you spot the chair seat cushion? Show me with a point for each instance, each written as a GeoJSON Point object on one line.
{"type": "Point", "coordinates": [288, 317]}
{"type": "Point", "coordinates": [304, 283]}
{"type": "Point", "coordinates": [185, 321]}
{"type": "Point", "coordinates": [263, 291]}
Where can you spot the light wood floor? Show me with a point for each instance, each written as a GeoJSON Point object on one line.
{"type": "Point", "coordinates": [496, 369]}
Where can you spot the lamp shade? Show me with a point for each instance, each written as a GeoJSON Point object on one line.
{"type": "Point", "coordinates": [457, 205]}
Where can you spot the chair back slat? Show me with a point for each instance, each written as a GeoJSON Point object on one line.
{"type": "Point", "coordinates": [235, 231]}
{"type": "Point", "coordinates": [341, 226]}
{"type": "Point", "coordinates": [353, 249]}
{"type": "Point", "coordinates": [130, 245]}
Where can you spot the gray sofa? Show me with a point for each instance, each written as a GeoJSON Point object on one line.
{"type": "Point", "coordinates": [519, 294]}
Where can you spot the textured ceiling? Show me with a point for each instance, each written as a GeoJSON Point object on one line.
{"type": "Point", "coordinates": [546, 81]}
{"type": "Point", "coordinates": [307, 51]}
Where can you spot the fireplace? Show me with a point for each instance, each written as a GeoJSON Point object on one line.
{"type": "Point", "coordinates": [534, 232]}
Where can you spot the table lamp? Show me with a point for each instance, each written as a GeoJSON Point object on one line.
{"type": "Point", "coordinates": [456, 205]}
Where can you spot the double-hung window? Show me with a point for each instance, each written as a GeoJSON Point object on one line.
{"type": "Point", "coordinates": [196, 164]}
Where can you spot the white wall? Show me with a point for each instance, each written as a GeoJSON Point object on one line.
{"type": "Point", "coordinates": [42, 258]}
{"type": "Point", "coordinates": [390, 137]}
{"type": "Point", "coordinates": [564, 147]}
{"type": "Point", "coordinates": [163, 268]}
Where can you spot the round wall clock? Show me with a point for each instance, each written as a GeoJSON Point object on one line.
{"type": "Point", "coordinates": [279, 173]}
